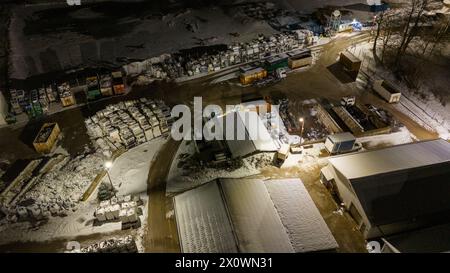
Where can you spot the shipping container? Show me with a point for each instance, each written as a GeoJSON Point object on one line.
{"type": "Point", "coordinates": [106, 87]}
{"type": "Point", "coordinates": [253, 75]}
{"type": "Point", "coordinates": [273, 63]}
{"type": "Point", "coordinates": [350, 63]}
{"type": "Point", "coordinates": [387, 90]}
{"type": "Point", "coordinates": [46, 138]}
{"type": "Point", "coordinates": [93, 88]}
{"type": "Point", "coordinates": [301, 59]}
{"type": "Point", "coordinates": [118, 83]}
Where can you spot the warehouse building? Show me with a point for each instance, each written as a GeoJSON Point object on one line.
{"type": "Point", "coordinates": [428, 240]}
{"type": "Point", "coordinates": [395, 189]}
{"type": "Point", "coordinates": [251, 216]}
{"type": "Point", "coordinates": [256, 137]}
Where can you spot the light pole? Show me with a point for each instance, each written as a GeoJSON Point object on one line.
{"type": "Point", "coordinates": [108, 166]}
{"type": "Point", "coordinates": [302, 121]}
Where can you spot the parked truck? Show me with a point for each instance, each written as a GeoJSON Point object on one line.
{"type": "Point", "coordinates": [340, 143]}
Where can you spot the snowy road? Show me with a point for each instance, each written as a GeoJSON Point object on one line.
{"type": "Point", "coordinates": [161, 234]}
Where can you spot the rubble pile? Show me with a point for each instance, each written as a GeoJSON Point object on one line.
{"type": "Point", "coordinates": [128, 124]}
{"type": "Point", "coordinates": [260, 161]}
{"type": "Point", "coordinates": [115, 245]}
{"type": "Point", "coordinates": [58, 191]}
{"type": "Point", "coordinates": [178, 66]}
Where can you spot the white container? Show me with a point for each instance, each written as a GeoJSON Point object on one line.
{"type": "Point", "coordinates": [100, 214]}
{"type": "Point", "coordinates": [104, 204]}
{"type": "Point", "coordinates": [132, 215]}
{"type": "Point", "coordinates": [109, 214]}
{"type": "Point", "coordinates": [123, 216]}
{"type": "Point", "coordinates": [115, 210]}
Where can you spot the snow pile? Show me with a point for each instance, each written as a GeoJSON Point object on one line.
{"type": "Point", "coordinates": [401, 137]}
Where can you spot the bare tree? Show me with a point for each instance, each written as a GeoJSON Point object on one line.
{"type": "Point", "coordinates": [379, 21]}
{"type": "Point", "coordinates": [388, 30]}
{"type": "Point", "coordinates": [411, 26]}
{"type": "Point", "coordinates": [439, 34]}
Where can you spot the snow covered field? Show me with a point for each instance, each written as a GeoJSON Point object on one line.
{"type": "Point", "coordinates": [129, 172]}
{"type": "Point", "coordinates": [100, 34]}
{"type": "Point", "coordinates": [420, 105]}
{"type": "Point", "coordinates": [311, 5]}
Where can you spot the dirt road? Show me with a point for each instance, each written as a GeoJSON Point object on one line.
{"type": "Point", "coordinates": [161, 234]}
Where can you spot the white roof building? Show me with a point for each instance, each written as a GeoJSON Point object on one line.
{"type": "Point", "coordinates": [264, 216]}
{"type": "Point", "coordinates": [255, 136]}
{"type": "Point", "coordinates": [394, 189]}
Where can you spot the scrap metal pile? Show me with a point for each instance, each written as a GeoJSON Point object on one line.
{"type": "Point", "coordinates": [115, 245]}
{"type": "Point", "coordinates": [175, 66]}
{"type": "Point", "coordinates": [54, 190]}
{"type": "Point", "coordinates": [128, 124]}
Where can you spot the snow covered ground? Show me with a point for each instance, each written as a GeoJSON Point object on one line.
{"type": "Point", "coordinates": [311, 5]}
{"type": "Point", "coordinates": [64, 186]}
{"type": "Point", "coordinates": [129, 172]}
{"type": "Point", "coordinates": [403, 136]}
{"type": "Point", "coordinates": [421, 105]}
{"type": "Point", "coordinates": [105, 34]}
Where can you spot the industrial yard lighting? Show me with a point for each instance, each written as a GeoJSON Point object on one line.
{"type": "Point", "coordinates": [108, 166]}
{"type": "Point", "coordinates": [302, 121]}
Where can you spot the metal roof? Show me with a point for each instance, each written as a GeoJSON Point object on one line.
{"type": "Point", "coordinates": [392, 159]}
{"type": "Point", "coordinates": [342, 137]}
{"type": "Point", "coordinates": [429, 240]}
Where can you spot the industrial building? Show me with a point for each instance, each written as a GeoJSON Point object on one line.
{"type": "Point", "coordinates": [395, 189]}
{"type": "Point", "coordinates": [428, 240]}
{"type": "Point", "coordinates": [251, 216]}
{"type": "Point", "coordinates": [256, 138]}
